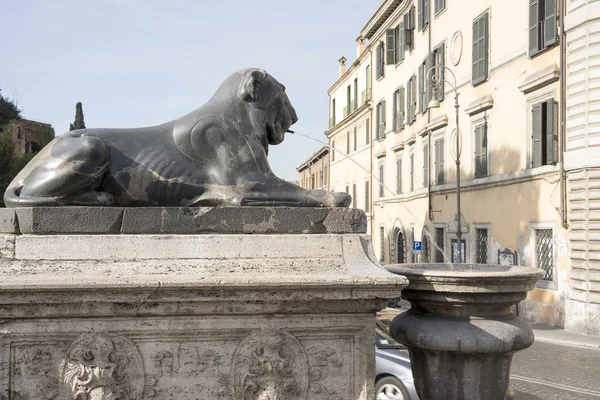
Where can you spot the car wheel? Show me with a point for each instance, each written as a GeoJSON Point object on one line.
{"type": "Point", "coordinates": [390, 388]}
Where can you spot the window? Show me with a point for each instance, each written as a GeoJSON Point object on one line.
{"type": "Point", "coordinates": [380, 114]}
{"type": "Point", "coordinates": [355, 139]}
{"type": "Point", "coordinates": [348, 101]}
{"type": "Point", "coordinates": [480, 48]}
{"type": "Point", "coordinates": [409, 29]}
{"type": "Point", "coordinates": [380, 61]}
{"type": "Point", "coordinates": [398, 121]}
{"type": "Point", "coordinates": [439, 242]}
{"type": "Point", "coordinates": [544, 252]}
{"type": "Point", "coordinates": [463, 253]}
{"type": "Point", "coordinates": [481, 245]}
{"type": "Point", "coordinates": [381, 243]}
{"type": "Point", "coordinates": [542, 25]}
{"type": "Point", "coordinates": [399, 253]}
{"type": "Point", "coordinates": [368, 83]}
{"type": "Point", "coordinates": [354, 195]}
{"type": "Point", "coordinates": [321, 178]}
{"type": "Point", "coordinates": [367, 128]}
{"type": "Point", "coordinates": [481, 151]}
{"type": "Point", "coordinates": [366, 196]}
{"type": "Point", "coordinates": [395, 45]}
{"type": "Point", "coordinates": [347, 142]}
{"type": "Point", "coordinates": [312, 181]}
{"type": "Point", "coordinates": [398, 176]}
{"type": "Point", "coordinates": [423, 14]}
{"type": "Point", "coordinates": [425, 247]}
{"type": "Point", "coordinates": [425, 166]}
{"type": "Point", "coordinates": [544, 147]}
{"type": "Point", "coordinates": [332, 150]}
{"type": "Point", "coordinates": [439, 61]}
{"type": "Point", "coordinates": [355, 101]}
{"type": "Point", "coordinates": [412, 172]}
{"type": "Point", "coordinates": [325, 175]}
{"type": "Point", "coordinates": [381, 177]}
{"type": "Point", "coordinates": [439, 162]}
{"type": "Point", "coordinates": [411, 100]}
{"type": "Point", "coordinates": [347, 189]}
{"type": "Point", "coordinates": [439, 6]}
{"type": "Point", "coordinates": [332, 122]}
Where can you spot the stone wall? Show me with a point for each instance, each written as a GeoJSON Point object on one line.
{"type": "Point", "coordinates": [28, 136]}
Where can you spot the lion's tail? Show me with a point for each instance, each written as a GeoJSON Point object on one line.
{"type": "Point", "coordinates": [13, 199]}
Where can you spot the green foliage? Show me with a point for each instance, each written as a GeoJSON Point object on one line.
{"type": "Point", "coordinates": [71, 127]}
{"type": "Point", "coordinates": [79, 121]}
{"type": "Point", "coordinates": [8, 109]}
{"type": "Point", "coordinates": [7, 163]}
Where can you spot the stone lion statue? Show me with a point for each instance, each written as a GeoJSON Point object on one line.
{"type": "Point", "coordinates": [213, 156]}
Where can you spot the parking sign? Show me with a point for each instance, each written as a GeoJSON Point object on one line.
{"type": "Point", "coordinates": [417, 246]}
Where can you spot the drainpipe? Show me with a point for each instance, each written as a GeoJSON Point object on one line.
{"type": "Point", "coordinates": [563, 115]}
{"type": "Point", "coordinates": [370, 107]}
{"type": "Point", "coordinates": [429, 203]}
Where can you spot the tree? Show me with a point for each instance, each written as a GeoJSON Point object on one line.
{"type": "Point", "coordinates": [79, 121]}
{"type": "Point", "coordinates": [8, 109]}
{"type": "Point", "coordinates": [7, 160]}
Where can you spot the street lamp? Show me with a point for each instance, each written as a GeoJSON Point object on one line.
{"type": "Point", "coordinates": [436, 82]}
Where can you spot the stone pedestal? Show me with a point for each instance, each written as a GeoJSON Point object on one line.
{"type": "Point", "coordinates": [460, 331]}
{"type": "Point", "coordinates": [186, 304]}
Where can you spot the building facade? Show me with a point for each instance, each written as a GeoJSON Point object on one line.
{"type": "Point", "coordinates": [498, 74]}
{"type": "Point", "coordinates": [28, 136]}
{"type": "Point", "coordinates": [314, 172]}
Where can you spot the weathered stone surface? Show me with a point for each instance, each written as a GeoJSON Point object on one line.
{"type": "Point", "coordinates": [460, 331]}
{"type": "Point", "coordinates": [8, 221]}
{"type": "Point", "coordinates": [182, 220]}
{"type": "Point", "coordinates": [49, 220]}
{"type": "Point", "coordinates": [182, 316]}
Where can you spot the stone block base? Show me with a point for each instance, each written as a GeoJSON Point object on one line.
{"type": "Point", "coordinates": [582, 317]}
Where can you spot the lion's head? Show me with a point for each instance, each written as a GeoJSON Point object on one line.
{"type": "Point", "coordinates": [263, 91]}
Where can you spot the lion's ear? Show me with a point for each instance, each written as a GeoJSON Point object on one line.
{"type": "Point", "coordinates": [249, 86]}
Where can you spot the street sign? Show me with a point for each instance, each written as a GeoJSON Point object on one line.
{"type": "Point", "coordinates": [417, 247]}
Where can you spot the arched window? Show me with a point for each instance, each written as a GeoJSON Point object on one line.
{"type": "Point", "coordinates": [399, 247]}
{"type": "Point", "coordinates": [32, 147]}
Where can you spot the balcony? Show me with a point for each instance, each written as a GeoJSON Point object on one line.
{"type": "Point", "coordinates": [354, 105]}
{"type": "Point", "coordinates": [346, 112]}
{"type": "Point", "coordinates": [365, 96]}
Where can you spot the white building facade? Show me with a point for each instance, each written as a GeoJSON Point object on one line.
{"type": "Point", "coordinates": [519, 118]}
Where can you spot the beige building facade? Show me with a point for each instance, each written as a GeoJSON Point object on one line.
{"type": "Point", "coordinates": [314, 172]}
{"type": "Point", "coordinates": [507, 66]}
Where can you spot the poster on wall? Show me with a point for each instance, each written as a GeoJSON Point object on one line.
{"type": "Point", "coordinates": [462, 252]}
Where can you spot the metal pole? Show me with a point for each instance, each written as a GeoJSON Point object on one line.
{"type": "Point", "coordinates": [459, 228]}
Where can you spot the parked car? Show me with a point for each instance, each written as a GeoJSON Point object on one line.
{"type": "Point", "coordinates": [393, 376]}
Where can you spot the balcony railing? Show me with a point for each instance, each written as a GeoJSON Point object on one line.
{"type": "Point", "coordinates": [366, 96]}
{"type": "Point", "coordinates": [354, 105]}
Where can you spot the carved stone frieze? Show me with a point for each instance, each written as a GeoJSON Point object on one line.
{"type": "Point", "coordinates": [270, 365]}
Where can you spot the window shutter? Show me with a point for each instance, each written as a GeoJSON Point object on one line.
{"type": "Point", "coordinates": [400, 42]}
{"type": "Point", "coordinates": [536, 136]}
{"type": "Point", "coordinates": [442, 160]}
{"type": "Point", "coordinates": [425, 166]}
{"type": "Point", "coordinates": [348, 143]}
{"type": "Point", "coordinates": [378, 122]}
{"type": "Point", "coordinates": [475, 57]}
{"type": "Point", "coordinates": [429, 63]}
{"type": "Point", "coordinates": [367, 196]}
{"type": "Point", "coordinates": [441, 61]}
{"type": "Point", "coordinates": [534, 22]}
{"type": "Point", "coordinates": [484, 151]}
{"type": "Point", "coordinates": [391, 47]}
{"type": "Point", "coordinates": [401, 117]}
{"type": "Point", "coordinates": [421, 87]}
{"type": "Point", "coordinates": [550, 23]}
{"type": "Point", "coordinates": [478, 152]}
{"type": "Point", "coordinates": [480, 49]}
{"type": "Point", "coordinates": [437, 161]}
{"type": "Point", "coordinates": [414, 99]}
{"type": "Point", "coordinates": [551, 123]}
{"type": "Point", "coordinates": [383, 119]}
{"type": "Point", "coordinates": [394, 112]}
{"type": "Point", "coordinates": [484, 56]}
{"type": "Point", "coordinates": [420, 15]}
{"type": "Point", "coordinates": [333, 150]}
{"type": "Point", "coordinates": [355, 139]}
{"type": "Point", "coordinates": [367, 129]}
{"type": "Point", "coordinates": [426, 13]}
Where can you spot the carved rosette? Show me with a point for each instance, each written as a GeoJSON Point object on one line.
{"type": "Point", "coordinates": [270, 365]}
{"type": "Point", "coordinates": [102, 367]}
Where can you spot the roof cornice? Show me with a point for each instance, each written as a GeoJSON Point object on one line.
{"type": "Point", "coordinates": [350, 70]}
{"type": "Point", "coordinates": [315, 156]}
{"type": "Point", "coordinates": [386, 8]}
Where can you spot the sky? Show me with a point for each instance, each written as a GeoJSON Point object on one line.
{"type": "Point", "coordinates": [135, 63]}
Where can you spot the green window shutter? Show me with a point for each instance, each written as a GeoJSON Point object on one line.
{"type": "Point", "coordinates": [414, 99]}
{"type": "Point", "coordinates": [480, 49]}
{"type": "Point", "coordinates": [421, 87]}
{"type": "Point", "coordinates": [536, 136]}
{"type": "Point", "coordinates": [551, 134]}
{"type": "Point", "coordinates": [355, 139]}
{"type": "Point", "coordinates": [394, 112]}
{"type": "Point", "coordinates": [409, 101]}
{"type": "Point", "coordinates": [426, 13]}
{"type": "Point", "coordinates": [484, 150]}
{"type": "Point", "coordinates": [485, 55]}
{"type": "Point", "coordinates": [407, 32]}
{"type": "Point", "coordinates": [550, 29]}
{"type": "Point", "coordinates": [475, 56]}
{"type": "Point", "coordinates": [440, 62]}
{"type": "Point", "coordinates": [333, 150]}
{"type": "Point", "coordinates": [442, 160]}
{"type": "Point", "coordinates": [478, 151]}
{"type": "Point", "coordinates": [401, 117]}
{"type": "Point", "coordinates": [437, 162]}
{"type": "Point", "coordinates": [429, 63]}
{"type": "Point", "coordinates": [367, 196]}
{"type": "Point", "coordinates": [383, 119]}
{"type": "Point", "coordinates": [378, 122]}
{"type": "Point", "coordinates": [391, 47]}
{"type": "Point", "coordinates": [420, 15]}
{"type": "Point", "coordinates": [400, 42]}
{"type": "Point", "coordinates": [348, 143]}
{"type": "Point", "coordinates": [534, 23]}
{"type": "Point", "coordinates": [425, 166]}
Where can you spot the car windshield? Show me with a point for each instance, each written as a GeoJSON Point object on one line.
{"type": "Point", "coordinates": [384, 340]}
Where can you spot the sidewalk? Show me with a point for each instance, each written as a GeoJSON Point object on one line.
{"type": "Point", "coordinates": [551, 334]}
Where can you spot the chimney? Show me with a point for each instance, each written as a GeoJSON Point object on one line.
{"type": "Point", "coordinates": [360, 46]}
{"type": "Point", "coordinates": [342, 66]}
